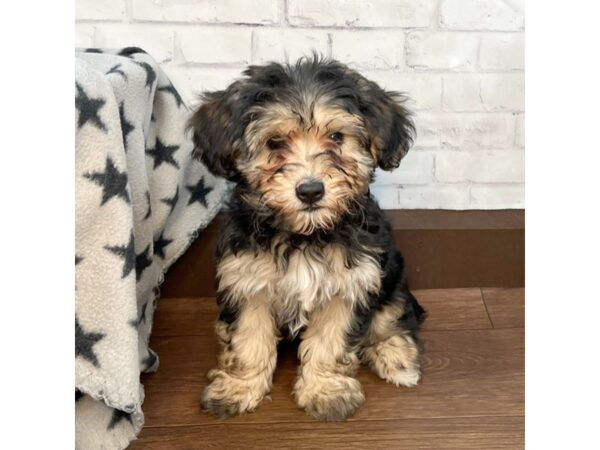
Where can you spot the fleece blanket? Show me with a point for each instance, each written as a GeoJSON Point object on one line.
{"type": "Point", "coordinates": [141, 199]}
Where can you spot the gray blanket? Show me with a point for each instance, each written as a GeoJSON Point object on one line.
{"type": "Point", "coordinates": [140, 201]}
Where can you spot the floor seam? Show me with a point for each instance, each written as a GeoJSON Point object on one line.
{"type": "Point", "coordinates": [486, 308]}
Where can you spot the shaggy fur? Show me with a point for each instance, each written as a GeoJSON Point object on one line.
{"type": "Point", "coordinates": [324, 268]}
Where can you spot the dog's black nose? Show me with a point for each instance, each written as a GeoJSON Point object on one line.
{"type": "Point", "coordinates": [310, 192]}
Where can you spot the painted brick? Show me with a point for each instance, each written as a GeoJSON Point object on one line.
{"type": "Point", "coordinates": [520, 131]}
{"type": "Point", "coordinates": [502, 51]}
{"type": "Point", "coordinates": [433, 50]}
{"type": "Point", "coordinates": [434, 197]}
{"type": "Point", "coordinates": [483, 167]}
{"type": "Point", "coordinates": [217, 11]}
{"type": "Point", "coordinates": [501, 15]}
{"type": "Point", "coordinates": [360, 13]}
{"type": "Point", "coordinates": [415, 168]}
{"type": "Point", "coordinates": [369, 49]}
{"type": "Point", "coordinates": [465, 131]}
{"type": "Point", "coordinates": [157, 41]}
{"type": "Point", "coordinates": [191, 82]}
{"type": "Point", "coordinates": [287, 44]}
{"type": "Point", "coordinates": [84, 35]}
{"type": "Point", "coordinates": [424, 91]}
{"type": "Point", "coordinates": [387, 196]}
{"type": "Point", "coordinates": [483, 92]}
{"type": "Point", "coordinates": [215, 45]}
{"type": "Point", "coordinates": [497, 197]}
{"type": "Point", "coordinates": [99, 9]}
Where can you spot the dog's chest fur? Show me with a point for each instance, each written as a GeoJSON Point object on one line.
{"type": "Point", "coordinates": [296, 280]}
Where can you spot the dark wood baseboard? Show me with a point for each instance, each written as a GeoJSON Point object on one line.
{"type": "Point", "coordinates": [442, 249]}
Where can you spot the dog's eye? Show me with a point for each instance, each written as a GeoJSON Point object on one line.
{"type": "Point", "coordinates": [337, 137]}
{"type": "Point", "coordinates": [275, 143]}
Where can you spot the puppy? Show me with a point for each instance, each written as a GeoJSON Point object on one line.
{"type": "Point", "coordinates": [307, 250]}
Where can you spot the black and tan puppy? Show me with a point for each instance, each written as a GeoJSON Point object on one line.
{"type": "Point", "coordinates": [307, 250]}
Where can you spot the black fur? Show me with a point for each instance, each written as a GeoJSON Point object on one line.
{"type": "Point", "coordinates": [219, 124]}
{"type": "Point", "coordinates": [248, 230]}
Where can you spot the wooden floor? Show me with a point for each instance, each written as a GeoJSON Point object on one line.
{"type": "Point", "coordinates": [471, 395]}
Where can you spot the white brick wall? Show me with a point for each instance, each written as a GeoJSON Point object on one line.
{"type": "Point", "coordinates": [460, 61]}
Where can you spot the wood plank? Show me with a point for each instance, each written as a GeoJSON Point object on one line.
{"type": "Point", "coordinates": [466, 373]}
{"type": "Point", "coordinates": [448, 309]}
{"type": "Point", "coordinates": [441, 219]}
{"type": "Point", "coordinates": [490, 433]}
{"type": "Point", "coordinates": [453, 309]}
{"type": "Point", "coordinates": [506, 307]}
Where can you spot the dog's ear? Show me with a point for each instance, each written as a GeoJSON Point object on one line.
{"type": "Point", "coordinates": [217, 131]}
{"type": "Point", "coordinates": [389, 122]}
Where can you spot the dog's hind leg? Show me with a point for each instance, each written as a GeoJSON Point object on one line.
{"type": "Point", "coordinates": [326, 387]}
{"type": "Point", "coordinates": [389, 347]}
{"type": "Point", "coordinates": [248, 337]}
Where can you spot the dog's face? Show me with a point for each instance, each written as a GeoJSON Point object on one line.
{"type": "Point", "coordinates": [305, 139]}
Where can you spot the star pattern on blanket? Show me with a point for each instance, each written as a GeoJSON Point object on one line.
{"type": "Point", "coordinates": [113, 182]}
{"type": "Point", "coordinates": [149, 207]}
{"type": "Point", "coordinates": [84, 343]}
{"type": "Point", "coordinates": [127, 253]}
{"type": "Point", "coordinates": [199, 192]}
{"type": "Point", "coordinates": [170, 89]}
{"type": "Point", "coordinates": [89, 109]}
{"type": "Point", "coordinates": [126, 126]}
{"type": "Point", "coordinates": [150, 73]}
{"type": "Point", "coordinates": [118, 183]}
{"type": "Point", "coordinates": [163, 153]}
{"type": "Point", "coordinates": [118, 416]}
{"type": "Point", "coordinates": [160, 244]}
{"type": "Point", "coordinates": [116, 70]}
{"type": "Point", "coordinates": [172, 201]}
{"type": "Point", "coordinates": [142, 262]}
{"type": "Point", "coordinates": [142, 318]}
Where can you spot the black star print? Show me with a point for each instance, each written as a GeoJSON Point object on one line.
{"type": "Point", "coordinates": [172, 201]}
{"type": "Point", "coordinates": [150, 74]}
{"type": "Point", "coordinates": [128, 51]}
{"type": "Point", "coordinates": [127, 252]}
{"type": "Point", "coordinates": [84, 343]}
{"type": "Point", "coordinates": [142, 262]}
{"type": "Point", "coordinates": [78, 259]}
{"type": "Point", "coordinates": [149, 360]}
{"type": "Point", "coordinates": [199, 193]}
{"type": "Point", "coordinates": [142, 317]}
{"type": "Point", "coordinates": [115, 69]}
{"type": "Point", "coordinates": [160, 244]}
{"type": "Point", "coordinates": [126, 127]}
{"type": "Point", "coordinates": [163, 154]}
{"type": "Point", "coordinates": [171, 90]}
{"type": "Point", "coordinates": [88, 109]}
{"type": "Point", "coordinates": [113, 182]}
{"type": "Point", "coordinates": [149, 210]}
{"type": "Point", "coordinates": [117, 416]}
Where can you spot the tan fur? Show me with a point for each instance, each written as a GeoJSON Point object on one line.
{"type": "Point", "coordinates": [312, 277]}
{"type": "Point", "coordinates": [392, 354]}
{"type": "Point", "coordinates": [325, 386]}
{"type": "Point", "coordinates": [246, 363]}
{"type": "Point", "coordinates": [344, 169]}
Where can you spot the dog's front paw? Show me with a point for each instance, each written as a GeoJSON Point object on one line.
{"type": "Point", "coordinates": [396, 360]}
{"type": "Point", "coordinates": [329, 398]}
{"type": "Point", "coordinates": [228, 396]}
